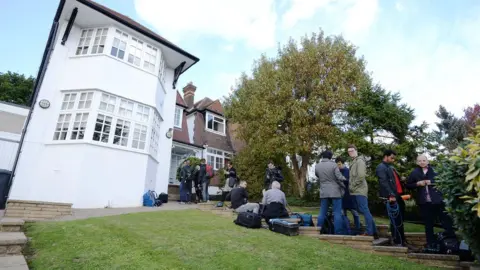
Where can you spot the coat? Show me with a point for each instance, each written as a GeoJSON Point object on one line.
{"type": "Point", "coordinates": [418, 175]}
{"type": "Point", "coordinates": [330, 179]}
{"type": "Point", "coordinates": [358, 173]}
{"type": "Point", "coordinates": [386, 180]}
{"type": "Point", "coordinates": [347, 200]}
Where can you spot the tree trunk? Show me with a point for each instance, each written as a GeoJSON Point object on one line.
{"type": "Point", "coordinates": [300, 173]}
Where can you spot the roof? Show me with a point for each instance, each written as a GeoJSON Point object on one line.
{"type": "Point", "coordinates": [180, 101]}
{"type": "Point", "coordinates": [208, 104]}
{"type": "Point", "coordinates": [136, 26]}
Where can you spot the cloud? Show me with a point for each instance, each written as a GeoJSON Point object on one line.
{"type": "Point", "coordinates": [302, 10]}
{"type": "Point", "coordinates": [360, 16]}
{"type": "Point", "coordinates": [228, 48]}
{"type": "Point", "coordinates": [249, 21]}
{"type": "Point", "coordinates": [399, 6]}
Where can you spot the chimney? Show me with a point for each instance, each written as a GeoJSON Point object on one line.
{"type": "Point", "coordinates": [189, 94]}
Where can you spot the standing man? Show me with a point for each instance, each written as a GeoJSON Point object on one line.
{"type": "Point", "coordinates": [331, 188]}
{"type": "Point", "coordinates": [348, 201]}
{"type": "Point", "coordinates": [429, 199]}
{"type": "Point", "coordinates": [231, 180]}
{"type": "Point", "coordinates": [272, 174]}
{"type": "Point", "coordinates": [204, 175]}
{"type": "Point", "coordinates": [359, 189]}
{"type": "Point", "coordinates": [391, 189]}
{"type": "Point", "coordinates": [185, 177]}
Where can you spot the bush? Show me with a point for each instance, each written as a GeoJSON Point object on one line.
{"type": "Point", "coordinates": [194, 161]}
{"type": "Point", "coordinates": [459, 181]}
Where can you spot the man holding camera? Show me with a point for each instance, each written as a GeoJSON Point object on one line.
{"type": "Point", "coordinates": [272, 174]}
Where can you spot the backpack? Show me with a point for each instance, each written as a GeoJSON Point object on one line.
{"type": "Point", "coordinates": [305, 219]}
{"type": "Point", "coordinates": [448, 243]}
{"type": "Point", "coordinates": [232, 181]}
{"type": "Point", "coordinates": [209, 171]}
{"type": "Point", "coordinates": [148, 199]}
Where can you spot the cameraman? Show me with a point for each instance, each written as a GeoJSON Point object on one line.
{"type": "Point", "coordinates": [272, 174]}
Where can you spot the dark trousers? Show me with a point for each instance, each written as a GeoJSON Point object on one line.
{"type": "Point", "coordinates": [224, 195]}
{"type": "Point", "coordinates": [432, 212]}
{"type": "Point", "coordinates": [396, 223]}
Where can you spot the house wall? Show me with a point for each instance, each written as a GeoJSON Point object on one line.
{"type": "Point", "coordinates": [91, 176]}
{"type": "Point", "coordinates": [12, 119]}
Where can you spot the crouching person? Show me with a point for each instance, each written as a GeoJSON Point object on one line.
{"type": "Point", "coordinates": [275, 203]}
{"type": "Point", "coordinates": [239, 198]}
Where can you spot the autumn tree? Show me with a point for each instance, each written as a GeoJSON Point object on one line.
{"type": "Point", "coordinates": [451, 130]}
{"type": "Point", "coordinates": [288, 103]}
{"type": "Point", "coordinates": [471, 115]}
{"type": "Point", "coordinates": [16, 88]}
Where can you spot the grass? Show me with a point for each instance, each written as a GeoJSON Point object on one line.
{"type": "Point", "coordinates": [188, 239]}
{"type": "Point", "coordinates": [409, 227]}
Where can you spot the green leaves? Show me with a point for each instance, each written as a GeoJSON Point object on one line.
{"type": "Point", "coordinates": [16, 88]}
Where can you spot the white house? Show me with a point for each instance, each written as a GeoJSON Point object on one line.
{"type": "Point", "coordinates": [12, 118]}
{"type": "Point", "coordinates": [100, 132]}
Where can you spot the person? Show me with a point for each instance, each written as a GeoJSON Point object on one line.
{"type": "Point", "coordinates": [185, 178]}
{"type": "Point", "coordinates": [274, 202]}
{"type": "Point", "coordinates": [239, 198]}
{"type": "Point", "coordinates": [272, 174]}
{"type": "Point", "coordinates": [359, 189]}
{"type": "Point", "coordinates": [230, 175]}
{"type": "Point", "coordinates": [197, 184]}
{"type": "Point", "coordinates": [348, 203]}
{"type": "Point", "coordinates": [331, 188]}
{"type": "Point", "coordinates": [429, 199]}
{"type": "Point", "coordinates": [204, 178]}
{"type": "Point", "coordinates": [391, 189]}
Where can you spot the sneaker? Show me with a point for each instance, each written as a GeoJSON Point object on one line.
{"type": "Point", "coordinates": [182, 202]}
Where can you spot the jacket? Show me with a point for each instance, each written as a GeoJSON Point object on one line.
{"type": "Point", "coordinates": [386, 180]}
{"type": "Point", "coordinates": [202, 174]}
{"type": "Point", "coordinates": [231, 173]}
{"type": "Point", "coordinates": [358, 173]}
{"type": "Point", "coordinates": [271, 175]}
{"type": "Point", "coordinates": [330, 179]}
{"type": "Point", "coordinates": [421, 196]}
{"type": "Point", "coordinates": [347, 200]}
{"type": "Point", "coordinates": [185, 174]}
{"type": "Point", "coordinates": [238, 196]}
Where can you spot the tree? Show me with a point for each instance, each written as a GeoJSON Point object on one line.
{"type": "Point", "coordinates": [288, 104]}
{"type": "Point", "coordinates": [16, 88]}
{"type": "Point", "coordinates": [471, 116]}
{"type": "Point", "coordinates": [451, 130]}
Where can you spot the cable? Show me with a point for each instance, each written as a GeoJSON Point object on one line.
{"type": "Point", "coordinates": [393, 211]}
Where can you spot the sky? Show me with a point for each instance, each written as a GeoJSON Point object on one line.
{"type": "Point", "coordinates": [427, 50]}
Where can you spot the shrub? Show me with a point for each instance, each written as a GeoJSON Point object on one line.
{"type": "Point", "coordinates": [459, 181]}
{"type": "Point", "coordinates": [194, 161]}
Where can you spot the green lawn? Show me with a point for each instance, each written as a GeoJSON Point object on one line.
{"type": "Point", "coordinates": [188, 239]}
{"type": "Point", "coordinates": [409, 227]}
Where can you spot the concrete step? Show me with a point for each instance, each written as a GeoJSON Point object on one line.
{"type": "Point", "coordinates": [438, 260]}
{"type": "Point", "coordinates": [16, 262]}
{"type": "Point", "coordinates": [381, 242]}
{"type": "Point", "coordinates": [391, 251]}
{"type": "Point", "coordinates": [12, 243]}
{"type": "Point", "coordinates": [11, 224]}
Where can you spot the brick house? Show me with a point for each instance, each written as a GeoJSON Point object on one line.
{"type": "Point", "coordinates": [200, 130]}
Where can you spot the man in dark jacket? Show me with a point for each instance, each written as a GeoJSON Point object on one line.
{"type": "Point", "coordinates": [429, 199]}
{"type": "Point", "coordinates": [348, 202]}
{"type": "Point", "coordinates": [272, 174]}
{"type": "Point", "coordinates": [391, 189]}
{"type": "Point", "coordinates": [230, 177]}
{"type": "Point", "coordinates": [239, 199]}
{"type": "Point", "coordinates": [185, 182]}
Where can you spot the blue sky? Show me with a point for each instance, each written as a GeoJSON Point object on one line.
{"type": "Point", "coordinates": [427, 50]}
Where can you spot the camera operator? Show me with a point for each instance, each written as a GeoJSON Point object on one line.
{"type": "Point", "coordinates": [272, 174]}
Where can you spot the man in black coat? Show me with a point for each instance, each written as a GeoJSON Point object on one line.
{"type": "Point", "coordinates": [429, 199]}
{"type": "Point", "coordinates": [272, 174]}
{"type": "Point", "coordinates": [391, 189]}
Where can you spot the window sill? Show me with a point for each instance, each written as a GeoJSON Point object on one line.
{"type": "Point", "coordinates": [215, 132]}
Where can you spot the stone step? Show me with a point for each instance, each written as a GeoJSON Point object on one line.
{"type": "Point", "coordinates": [381, 241]}
{"type": "Point", "coordinates": [16, 262]}
{"type": "Point", "coordinates": [391, 251]}
{"type": "Point", "coordinates": [11, 224]}
{"type": "Point", "coordinates": [12, 243]}
{"type": "Point", "coordinates": [438, 260]}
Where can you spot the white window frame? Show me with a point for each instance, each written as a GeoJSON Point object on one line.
{"type": "Point", "coordinates": [155, 135]}
{"type": "Point", "coordinates": [68, 101]}
{"type": "Point", "coordinates": [109, 103]}
{"type": "Point", "coordinates": [80, 121]}
{"type": "Point", "coordinates": [125, 127]}
{"type": "Point", "coordinates": [123, 39]}
{"type": "Point", "coordinates": [179, 114]}
{"type": "Point", "coordinates": [135, 51]}
{"type": "Point", "coordinates": [105, 131]}
{"type": "Point", "coordinates": [99, 40]}
{"type": "Point", "coordinates": [142, 113]}
{"type": "Point", "coordinates": [211, 129]}
{"type": "Point", "coordinates": [85, 41]}
{"type": "Point", "coordinates": [62, 127]}
{"type": "Point", "coordinates": [216, 154]}
{"type": "Point", "coordinates": [162, 68]}
{"type": "Point", "coordinates": [150, 59]}
{"type": "Point", "coordinates": [139, 136]}
{"type": "Point", "coordinates": [85, 100]}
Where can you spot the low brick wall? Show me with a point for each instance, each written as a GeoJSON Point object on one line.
{"type": "Point", "coordinates": [35, 210]}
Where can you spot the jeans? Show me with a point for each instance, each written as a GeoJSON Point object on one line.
{"type": "Point", "coordinates": [183, 192]}
{"type": "Point", "coordinates": [362, 207]}
{"type": "Point", "coordinates": [205, 191]}
{"type": "Point", "coordinates": [337, 214]}
{"type": "Point", "coordinates": [430, 213]}
{"type": "Point", "coordinates": [356, 221]}
{"type": "Point", "coordinates": [248, 207]}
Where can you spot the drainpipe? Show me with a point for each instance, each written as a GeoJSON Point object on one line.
{"type": "Point", "coordinates": [38, 84]}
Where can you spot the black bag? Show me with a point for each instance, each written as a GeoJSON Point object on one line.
{"type": "Point", "coordinates": [249, 220]}
{"type": "Point", "coordinates": [232, 181]}
{"type": "Point", "coordinates": [448, 243]}
{"type": "Point", "coordinates": [283, 227]}
{"type": "Point", "coordinates": [465, 253]}
{"type": "Point", "coordinates": [163, 197]}
{"type": "Point", "coordinates": [327, 227]}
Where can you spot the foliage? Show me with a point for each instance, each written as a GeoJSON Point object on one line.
{"type": "Point", "coordinates": [471, 116]}
{"type": "Point", "coordinates": [16, 88]}
{"type": "Point", "coordinates": [459, 180]}
{"type": "Point", "coordinates": [251, 165]}
{"type": "Point", "coordinates": [187, 239]}
{"type": "Point", "coordinates": [288, 104]}
{"type": "Point", "coordinates": [194, 162]}
{"type": "Point", "coordinates": [451, 130]}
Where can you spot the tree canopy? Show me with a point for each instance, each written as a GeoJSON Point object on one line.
{"type": "Point", "coordinates": [288, 104]}
{"type": "Point", "coordinates": [16, 88]}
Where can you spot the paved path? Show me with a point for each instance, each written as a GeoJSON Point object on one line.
{"type": "Point", "coordinates": [102, 212]}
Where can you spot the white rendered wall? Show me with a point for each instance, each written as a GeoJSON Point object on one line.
{"type": "Point", "coordinates": [9, 140]}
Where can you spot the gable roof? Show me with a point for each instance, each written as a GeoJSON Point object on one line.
{"type": "Point", "coordinates": [180, 101]}
{"type": "Point", "coordinates": [127, 21]}
{"type": "Point", "coordinates": [208, 104]}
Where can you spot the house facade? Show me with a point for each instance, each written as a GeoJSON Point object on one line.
{"type": "Point", "coordinates": [12, 119]}
{"type": "Point", "coordinates": [200, 130]}
{"type": "Point", "coordinates": [101, 126]}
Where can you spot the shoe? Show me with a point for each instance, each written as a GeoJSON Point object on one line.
{"type": "Point", "coordinates": [182, 202]}
{"type": "Point", "coordinates": [375, 236]}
